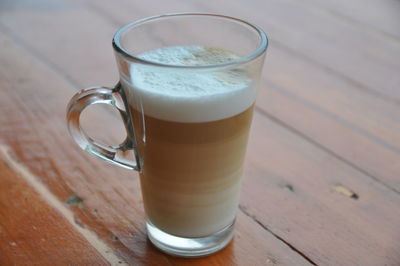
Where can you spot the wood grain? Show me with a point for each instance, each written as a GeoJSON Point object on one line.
{"type": "Point", "coordinates": [35, 241]}
{"type": "Point", "coordinates": [321, 184]}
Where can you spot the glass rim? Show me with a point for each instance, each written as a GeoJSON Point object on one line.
{"type": "Point", "coordinates": [118, 47]}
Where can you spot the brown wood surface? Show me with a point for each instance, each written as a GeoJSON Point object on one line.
{"type": "Point", "coordinates": [322, 179]}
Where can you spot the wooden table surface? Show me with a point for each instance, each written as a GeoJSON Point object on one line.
{"type": "Point", "coordinates": [322, 178]}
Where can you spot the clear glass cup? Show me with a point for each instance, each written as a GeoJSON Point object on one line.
{"type": "Point", "coordinates": [186, 95]}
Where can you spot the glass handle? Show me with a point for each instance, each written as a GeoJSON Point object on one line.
{"type": "Point", "coordinates": [123, 154]}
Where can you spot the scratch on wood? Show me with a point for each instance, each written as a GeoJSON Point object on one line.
{"type": "Point", "coordinates": [345, 191]}
{"type": "Point", "coordinates": [53, 201]}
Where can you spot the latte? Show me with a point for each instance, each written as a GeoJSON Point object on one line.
{"type": "Point", "coordinates": [191, 132]}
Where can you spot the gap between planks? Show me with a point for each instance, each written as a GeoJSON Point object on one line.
{"type": "Point", "coordinates": [104, 250]}
{"type": "Point", "coordinates": [252, 217]}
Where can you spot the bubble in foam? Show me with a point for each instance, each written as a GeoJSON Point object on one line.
{"type": "Point", "coordinates": [190, 96]}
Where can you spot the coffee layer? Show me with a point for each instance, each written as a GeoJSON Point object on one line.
{"type": "Point", "coordinates": [191, 172]}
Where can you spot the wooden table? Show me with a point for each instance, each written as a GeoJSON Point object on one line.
{"type": "Point", "coordinates": [322, 179]}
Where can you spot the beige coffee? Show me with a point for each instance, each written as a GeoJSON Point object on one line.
{"type": "Point", "coordinates": [191, 133]}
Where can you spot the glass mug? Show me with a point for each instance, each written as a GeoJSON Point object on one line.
{"type": "Point", "coordinates": [186, 95]}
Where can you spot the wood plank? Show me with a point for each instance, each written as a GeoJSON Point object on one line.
{"type": "Point", "coordinates": [47, 237]}
{"type": "Point", "coordinates": [112, 206]}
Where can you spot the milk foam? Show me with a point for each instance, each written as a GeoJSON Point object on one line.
{"type": "Point", "coordinates": [190, 96]}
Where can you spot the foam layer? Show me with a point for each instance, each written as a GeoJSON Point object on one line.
{"type": "Point", "coordinates": [190, 96]}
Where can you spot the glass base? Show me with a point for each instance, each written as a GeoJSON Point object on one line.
{"type": "Point", "coordinates": [189, 247]}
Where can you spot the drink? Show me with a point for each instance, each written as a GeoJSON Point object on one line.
{"type": "Point", "coordinates": [188, 109]}
{"type": "Point", "coordinates": [191, 132]}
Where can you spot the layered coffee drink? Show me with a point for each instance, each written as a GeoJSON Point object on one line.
{"type": "Point", "coordinates": [191, 130]}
